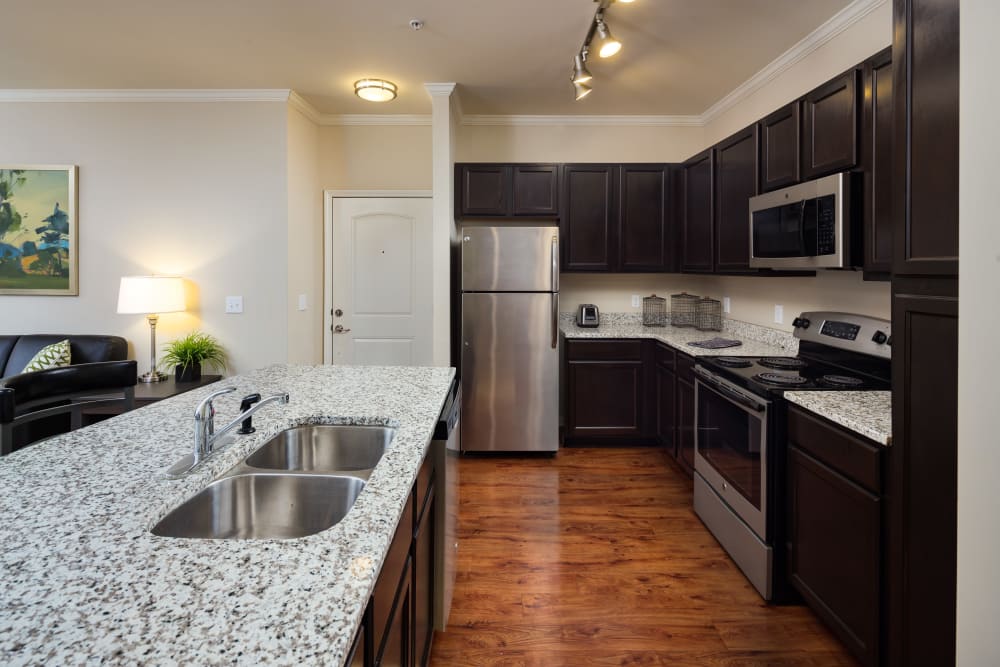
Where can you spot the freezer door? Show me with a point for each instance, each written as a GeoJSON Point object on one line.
{"type": "Point", "coordinates": [510, 372]}
{"type": "Point", "coordinates": [510, 259]}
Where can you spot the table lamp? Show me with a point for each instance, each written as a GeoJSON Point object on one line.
{"type": "Point", "coordinates": [151, 295]}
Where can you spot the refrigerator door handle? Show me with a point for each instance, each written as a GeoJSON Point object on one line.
{"type": "Point", "coordinates": [555, 320]}
{"type": "Point", "coordinates": [555, 262]}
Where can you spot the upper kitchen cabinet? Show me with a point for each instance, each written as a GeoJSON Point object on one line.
{"type": "Point", "coordinates": [925, 173]}
{"type": "Point", "coordinates": [507, 191]}
{"type": "Point", "coordinates": [779, 148]}
{"type": "Point", "coordinates": [589, 226]}
{"type": "Point", "coordinates": [735, 182]}
{"type": "Point", "coordinates": [877, 160]}
{"type": "Point", "coordinates": [697, 231]}
{"type": "Point", "coordinates": [830, 126]}
{"type": "Point", "coordinates": [645, 242]}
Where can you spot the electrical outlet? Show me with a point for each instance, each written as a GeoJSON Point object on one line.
{"type": "Point", "coordinates": [234, 304]}
{"type": "Point", "coordinates": [725, 304]}
{"type": "Point", "coordinates": [779, 314]}
{"type": "Point", "coordinates": [636, 301]}
{"type": "Point", "coordinates": [302, 302]}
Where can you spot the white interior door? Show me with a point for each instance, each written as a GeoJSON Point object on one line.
{"type": "Point", "coordinates": [379, 281]}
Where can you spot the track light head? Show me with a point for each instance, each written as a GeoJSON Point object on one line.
{"type": "Point", "coordinates": [582, 90]}
{"type": "Point", "coordinates": [580, 72]}
{"type": "Point", "coordinates": [609, 45]}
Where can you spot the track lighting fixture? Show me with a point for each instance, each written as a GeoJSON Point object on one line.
{"type": "Point", "coordinates": [607, 47]}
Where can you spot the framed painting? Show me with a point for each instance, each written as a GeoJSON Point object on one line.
{"type": "Point", "coordinates": [38, 230]}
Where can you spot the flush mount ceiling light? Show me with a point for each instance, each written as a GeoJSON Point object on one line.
{"type": "Point", "coordinates": [607, 46]}
{"type": "Point", "coordinates": [375, 90]}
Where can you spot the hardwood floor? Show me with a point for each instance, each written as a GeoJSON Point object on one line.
{"type": "Point", "coordinates": [595, 557]}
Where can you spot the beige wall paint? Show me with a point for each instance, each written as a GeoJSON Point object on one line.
{"type": "Point", "coordinates": [305, 241]}
{"type": "Point", "coordinates": [978, 360]}
{"type": "Point", "coordinates": [375, 157]}
{"type": "Point", "coordinates": [195, 189]}
{"type": "Point", "coordinates": [751, 299]}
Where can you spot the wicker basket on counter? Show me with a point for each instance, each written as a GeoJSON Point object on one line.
{"type": "Point", "coordinates": [709, 314]}
{"type": "Point", "coordinates": [654, 311]}
{"type": "Point", "coordinates": [683, 310]}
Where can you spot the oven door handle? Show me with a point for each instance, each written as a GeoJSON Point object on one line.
{"type": "Point", "coordinates": [729, 393]}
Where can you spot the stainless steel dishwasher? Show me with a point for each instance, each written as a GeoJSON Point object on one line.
{"type": "Point", "coordinates": [446, 448]}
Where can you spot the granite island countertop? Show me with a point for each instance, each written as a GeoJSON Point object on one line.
{"type": "Point", "coordinates": [868, 413]}
{"type": "Point", "coordinates": [85, 582]}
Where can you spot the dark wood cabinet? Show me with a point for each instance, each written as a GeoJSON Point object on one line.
{"type": "Point", "coordinates": [877, 161]}
{"type": "Point", "coordinates": [735, 183]}
{"type": "Point", "coordinates": [697, 229]}
{"type": "Point", "coordinates": [685, 412]}
{"type": "Point", "coordinates": [834, 538]}
{"type": "Point", "coordinates": [645, 242]}
{"type": "Point", "coordinates": [506, 191]}
{"type": "Point", "coordinates": [925, 176]}
{"type": "Point", "coordinates": [423, 566]}
{"type": "Point", "coordinates": [394, 576]}
{"type": "Point", "coordinates": [605, 387]}
{"type": "Point", "coordinates": [397, 649]}
{"type": "Point", "coordinates": [779, 147]}
{"type": "Point", "coordinates": [830, 116]}
{"type": "Point", "coordinates": [589, 227]}
{"type": "Point", "coordinates": [358, 655]}
{"type": "Point", "coordinates": [666, 398]}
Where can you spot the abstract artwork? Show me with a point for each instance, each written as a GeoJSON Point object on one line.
{"type": "Point", "coordinates": [38, 230]}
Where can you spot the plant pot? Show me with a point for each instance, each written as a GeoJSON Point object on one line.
{"type": "Point", "coordinates": [190, 373]}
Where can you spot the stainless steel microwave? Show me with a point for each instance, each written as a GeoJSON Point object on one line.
{"type": "Point", "coordinates": [805, 226]}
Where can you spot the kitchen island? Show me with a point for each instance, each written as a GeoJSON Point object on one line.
{"type": "Point", "coordinates": [84, 580]}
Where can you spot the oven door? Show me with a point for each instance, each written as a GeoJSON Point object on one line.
{"type": "Point", "coordinates": [731, 447]}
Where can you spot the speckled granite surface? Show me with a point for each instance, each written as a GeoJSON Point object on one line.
{"type": "Point", "coordinates": [866, 412]}
{"type": "Point", "coordinates": [757, 340]}
{"type": "Point", "coordinates": [84, 581]}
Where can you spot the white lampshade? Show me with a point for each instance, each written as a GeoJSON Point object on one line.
{"type": "Point", "coordinates": [151, 294]}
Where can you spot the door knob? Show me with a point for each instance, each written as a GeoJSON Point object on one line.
{"type": "Point", "coordinates": [340, 329]}
{"type": "Point", "coordinates": [338, 312]}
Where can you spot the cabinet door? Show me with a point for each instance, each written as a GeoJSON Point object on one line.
{"type": "Point", "coordinates": [589, 228]}
{"type": "Point", "coordinates": [358, 655]}
{"type": "Point", "coordinates": [834, 551]}
{"type": "Point", "coordinates": [535, 190]}
{"type": "Point", "coordinates": [666, 407]}
{"type": "Point", "coordinates": [395, 569]}
{"type": "Point", "coordinates": [685, 424]}
{"type": "Point", "coordinates": [923, 464]}
{"type": "Point", "coordinates": [877, 157]}
{"type": "Point", "coordinates": [735, 182]}
{"type": "Point", "coordinates": [605, 399]}
{"type": "Point", "coordinates": [398, 648]}
{"type": "Point", "coordinates": [423, 583]}
{"type": "Point", "coordinates": [644, 225]}
{"type": "Point", "coordinates": [779, 148]}
{"type": "Point", "coordinates": [830, 127]}
{"type": "Point", "coordinates": [484, 190]}
{"type": "Point", "coordinates": [925, 150]}
{"type": "Point", "coordinates": [697, 230]}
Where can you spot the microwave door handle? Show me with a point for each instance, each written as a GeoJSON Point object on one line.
{"type": "Point", "coordinates": [802, 229]}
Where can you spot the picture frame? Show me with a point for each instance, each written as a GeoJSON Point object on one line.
{"type": "Point", "coordinates": [39, 232]}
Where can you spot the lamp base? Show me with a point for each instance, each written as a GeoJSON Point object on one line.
{"type": "Point", "coordinates": [153, 376]}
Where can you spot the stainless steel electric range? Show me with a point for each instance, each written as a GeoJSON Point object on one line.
{"type": "Point", "coordinates": [740, 440]}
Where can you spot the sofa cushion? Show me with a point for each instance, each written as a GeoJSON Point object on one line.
{"type": "Point", "coordinates": [84, 349]}
{"type": "Point", "coordinates": [6, 345]}
{"type": "Point", "coordinates": [50, 356]}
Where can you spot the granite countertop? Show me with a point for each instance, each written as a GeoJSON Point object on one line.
{"type": "Point", "coordinates": [84, 581]}
{"type": "Point", "coordinates": [868, 413]}
{"type": "Point", "coordinates": [756, 340]}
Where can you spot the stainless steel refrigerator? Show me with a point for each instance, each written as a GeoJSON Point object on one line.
{"type": "Point", "coordinates": [510, 339]}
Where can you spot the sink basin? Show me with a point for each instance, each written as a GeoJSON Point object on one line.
{"type": "Point", "coordinates": [324, 448]}
{"type": "Point", "coordinates": [263, 506]}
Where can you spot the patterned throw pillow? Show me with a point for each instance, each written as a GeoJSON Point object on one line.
{"type": "Point", "coordinates": [50, 356]}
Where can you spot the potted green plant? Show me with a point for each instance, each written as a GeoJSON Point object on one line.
{"type": "Point", "coordinates": [188, 354]}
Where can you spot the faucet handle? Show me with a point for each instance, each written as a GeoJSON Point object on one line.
{"type": "Point", "coordinates": [205, 409]}
{"type": "Point", "coordinates": [247, 426]}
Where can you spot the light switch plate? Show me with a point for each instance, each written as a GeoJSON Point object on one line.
{"type": "Point", "coordinates": [636, 302]}
{"type": "Point", "coordinates": [725, 304]}
{"type": "Point", "coordinates": [234, 304]}
{"type": "Point", "coordinates": [302, 302]}
{"type": "Point", "coordinates": [779, 314]}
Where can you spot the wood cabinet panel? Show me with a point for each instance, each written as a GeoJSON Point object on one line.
{"type": "Point", "coordinates": [605, 399]}
{"type": "Point", "coordinates": [604, 350]}
{"type": "Point", "coordinates": [685, 424]}
{"type": "Point", "coordinates": [484, 190]}
{"type": "Point", "coordinates": [644, 220]}
{"type": "Point", "coordinates": [925, 175]}
{"type": "Point", "coordinates": [589, 222]}
{"type": "Point", "coordinates": [423, 582]}
{"type": "Point", "coordinates": [666, 407]}
{"type": "Point", "coordinates": [397, 649]}
{"type": "Point", "coordinates": [535, 190]}
{"type": "Point", "coordinates": [735, 183]}
{"type": "Point", "coordinates": [697, 228]}
{"type": "Point", "coordinates": [779, 147]}
{"type": "Point", "coordinates": [858, 459]}
{"type": "Point", "coordinates": [396, 560]}
{"type": "Point", "coordinates": [877, 160]}
{"type": "Point", "coordinates": [830, 127]}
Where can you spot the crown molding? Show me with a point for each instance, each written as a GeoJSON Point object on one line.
{"type": "Point", "coordinates": [837, 24]}
{"type": "Point", "coordinates": [627, 120]}
{"type": "Point", "coordinates": [303, 106]}
{"type": "Point", "coordinates": [143, 95]}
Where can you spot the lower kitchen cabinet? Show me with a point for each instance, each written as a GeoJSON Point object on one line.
{"type": "Point", "coordinates": [834, 539]}
{"type": "Point", "coordinates": [666, 398]}
{"type": "Point", "coordinates": [685, 412]}
{"type": "Point", "coordinates": [423, 575]}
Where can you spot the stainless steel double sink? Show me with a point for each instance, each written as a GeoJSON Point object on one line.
{"type": "Point", "coordinates": [302, 481]}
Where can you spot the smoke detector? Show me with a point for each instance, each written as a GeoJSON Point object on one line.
{"type": "Point", "coordinates": [416, 24]}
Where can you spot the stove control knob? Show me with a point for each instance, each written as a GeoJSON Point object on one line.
{"type": "Point", "coordinates": [880, 337]}
{"type": "Point", "coordinates": [801, 322]}
{"type": "Point", "coordinates": [889, 342]}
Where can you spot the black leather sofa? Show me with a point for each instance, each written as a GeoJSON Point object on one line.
{"type": "Point", "coordinates": [44, 403]}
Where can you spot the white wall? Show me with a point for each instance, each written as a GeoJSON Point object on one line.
{"type": "Point", "coordinates": [305, 241]}
{"type": "Point", "coordinates": [978, 359]}
{"type": "Point", "coordinates": [375, 157]}
{"type": "Point", "coordinates": [190, 188]}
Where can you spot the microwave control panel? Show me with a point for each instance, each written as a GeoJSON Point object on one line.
{"type": "Point", "coordinates": [826, 225]}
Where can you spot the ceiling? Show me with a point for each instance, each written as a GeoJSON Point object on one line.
{"type": "Point", "coordinates": [510, 57]}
